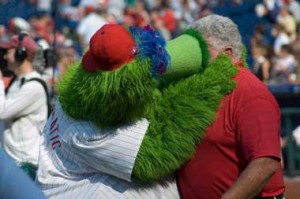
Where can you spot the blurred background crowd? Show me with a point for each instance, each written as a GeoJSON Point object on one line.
{"type": "Point", "coordinates": [63, 28]}
{"type": "Point", "coordinates": [270, 28]}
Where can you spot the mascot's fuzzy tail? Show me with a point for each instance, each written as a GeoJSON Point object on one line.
{"type": "Point", "coordinates": [131, 74]}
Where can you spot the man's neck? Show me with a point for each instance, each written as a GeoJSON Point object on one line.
{"type": "Point", "coordinates": [239, 63]}
{"type": "Point", "coordinates": [24, 68]}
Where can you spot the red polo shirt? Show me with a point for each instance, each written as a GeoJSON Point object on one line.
{"type": "Point", "coordinates": [247, 127]}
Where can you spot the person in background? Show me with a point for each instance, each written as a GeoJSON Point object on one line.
{"type": "Point", "coordinates": [294, 8]}
{"type": "Point", "coordinates": [239, 157]}
{"type": "Point", "coordinates": [23, 104]}
{"type": "Point", "coordinates": [288, 21]}
{"type": "Point", "coordinates": [280, 38]}
{"type": "Point", "coordinates": [285, 65]}
{"type": "Point", "coordinates": [89, 25]}
{"type": "Point", "coordinates": [262, 64]}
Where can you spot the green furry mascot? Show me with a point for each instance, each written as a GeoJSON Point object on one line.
{"type": "Point", "coordinates": [129, 74]}
{"type": "Point", "coordinates": [127, 90]}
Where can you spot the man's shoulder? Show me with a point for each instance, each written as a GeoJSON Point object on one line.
{"type": "Point", "coordinates": [34, 84]}
{"type": "Point", "coordinates": [249, 86]}
{"type": "Point", "coordinates": [33, 77]}
{"type": "Point", "coordinates": [247, 80]}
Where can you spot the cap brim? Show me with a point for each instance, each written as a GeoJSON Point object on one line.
{"type": "Point", "coordinates": [89, 63]}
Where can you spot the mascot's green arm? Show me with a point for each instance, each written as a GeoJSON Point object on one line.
{"type": "Point", "coordinates": [179, 119]}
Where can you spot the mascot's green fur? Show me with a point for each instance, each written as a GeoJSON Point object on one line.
{"type": "Point", "coordinates": [180, 103]}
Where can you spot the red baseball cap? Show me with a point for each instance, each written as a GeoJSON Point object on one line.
{"type": "Point", "coordinates": [111, 47]}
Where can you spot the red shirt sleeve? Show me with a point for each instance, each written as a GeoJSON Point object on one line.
{"type": "Point", "coordinates": [258, 132]}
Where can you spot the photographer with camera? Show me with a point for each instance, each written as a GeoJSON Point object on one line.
{"type": "Point", "coordinates": [23, 104]}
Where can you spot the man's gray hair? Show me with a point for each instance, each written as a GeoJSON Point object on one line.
{"type": "Point", "coordinates": [224, 33]}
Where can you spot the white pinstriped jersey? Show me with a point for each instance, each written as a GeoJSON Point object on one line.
{"type": "Point", "coordinates": [78, 160]}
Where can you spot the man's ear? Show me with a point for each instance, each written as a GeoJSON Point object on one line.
{"type": "Point", "coordinates": [228, 51]}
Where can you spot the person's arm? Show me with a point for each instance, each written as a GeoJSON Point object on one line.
{"type": "Point", "coordinates": [253, 179]}
{"type": "Point", "coordinates": [258, 138]}
{"type": "Point", "coordinates": [30, 96]}
{"type": "Point", "coordinates": [266, 71]}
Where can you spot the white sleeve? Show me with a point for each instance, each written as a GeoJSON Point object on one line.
{"type": "Point", "coordinates": [27, 99]}
{"type": "Point", "coordinates": [115, 152]}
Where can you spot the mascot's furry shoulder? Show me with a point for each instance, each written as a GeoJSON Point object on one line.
{"type": "Point", "coordinates": [132, 73]}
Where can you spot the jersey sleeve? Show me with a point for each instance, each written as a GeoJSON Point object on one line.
{"type": "Point", "coordinates": [258, 132]}
{"type": "Point", "coordinates": [115, 151]}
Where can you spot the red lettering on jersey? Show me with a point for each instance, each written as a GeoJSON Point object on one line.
{"type": "Point", "coordinates": [54, 130]}
{"type": "Point", "coordinates": [53, 124]}
{"type": "Point", "coordinates": [54, 144]}
{"type": "Point", "coordinates": [54, 136]}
